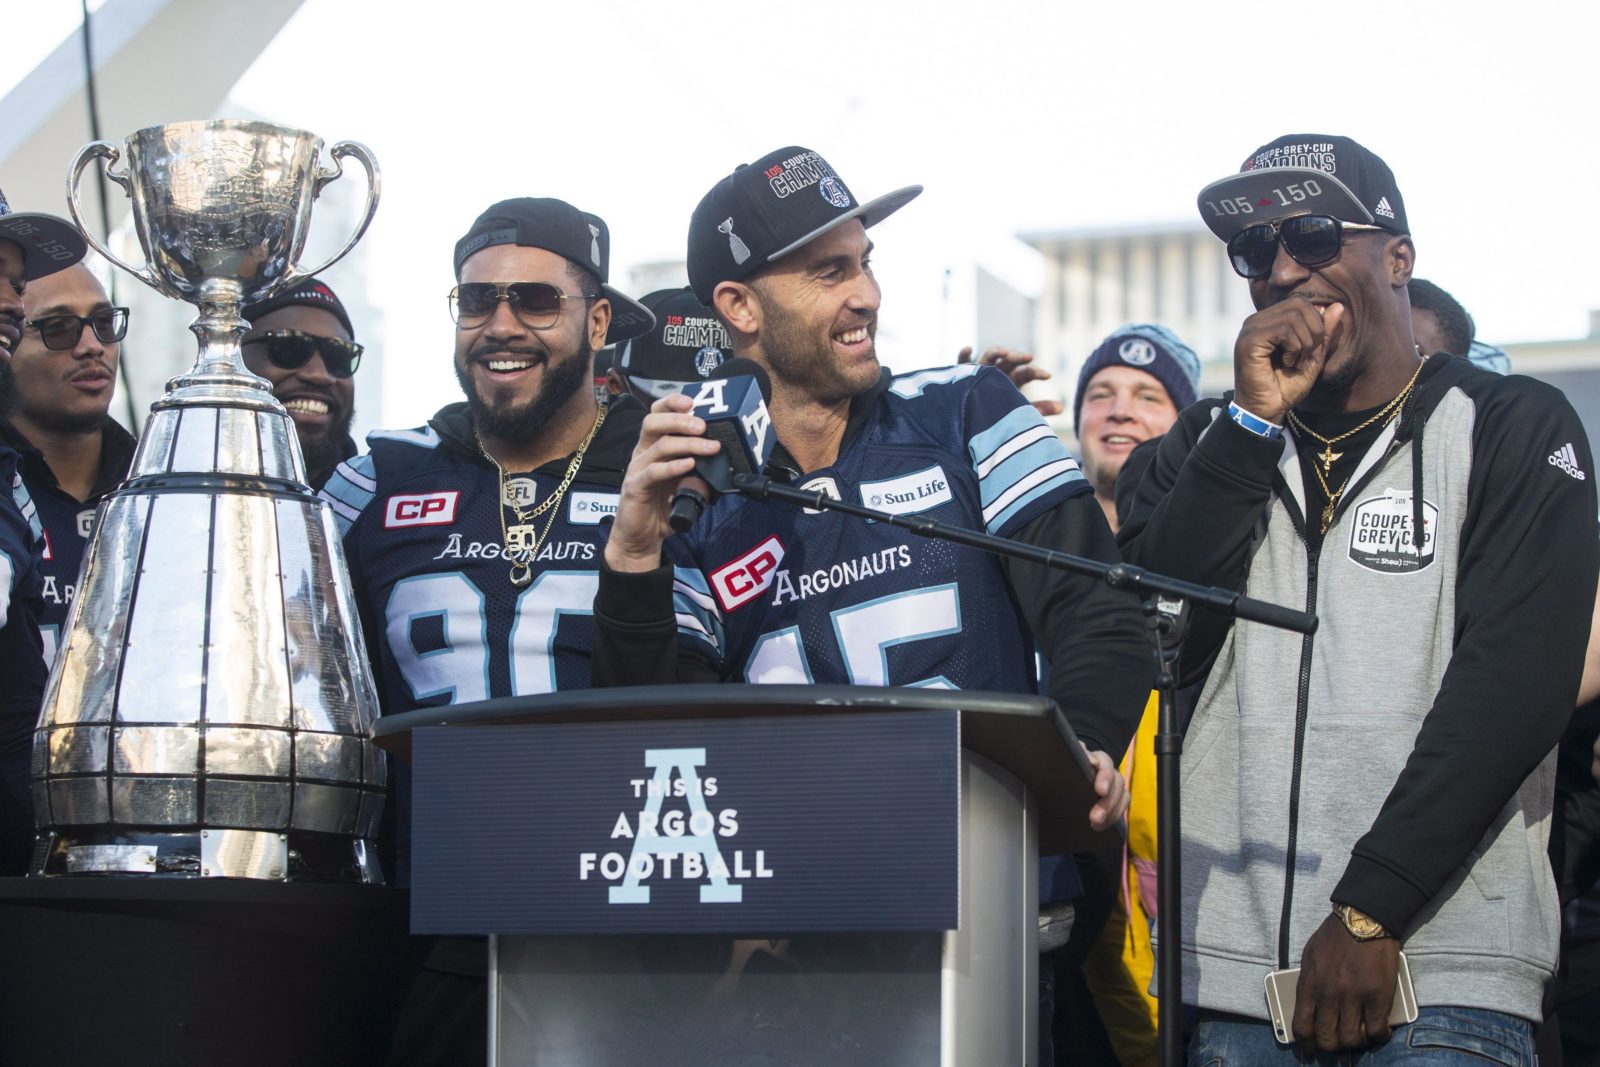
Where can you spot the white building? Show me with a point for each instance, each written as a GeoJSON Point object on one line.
{"type": "Point", "coordinates": [1098, 279]}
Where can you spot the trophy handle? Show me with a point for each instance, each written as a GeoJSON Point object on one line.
{"type": "Point", "coordinates": [295, 275]}
{"type": "Point", "coordinates": [107, 151]}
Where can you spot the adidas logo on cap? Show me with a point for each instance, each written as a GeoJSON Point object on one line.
{"type": "Point", "coordinates": [1566, 457]}
{"type": "Point", "coordinates": [1383, 208]}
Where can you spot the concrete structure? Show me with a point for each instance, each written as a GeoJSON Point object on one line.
{"type": "Point", "coordinates": [1572, 366]}
{"type": "Point", "coordinates": [1098, 279]}
{"type": "Point", "coordinates": [213, 44]}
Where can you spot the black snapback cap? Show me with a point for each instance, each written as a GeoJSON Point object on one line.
{"type": "Point", "coordinates": [1305, 173]}
{"type": "Point", "coordinates": [556, 226]}
{"type": "Point", "coordinates": [767, 209]}
{"type": "Point", "coordinates": [48, 243]}
{"type": "Point", "coordinates": [311, 293]}
{"type": "Point", "coordinates": [686, 344]}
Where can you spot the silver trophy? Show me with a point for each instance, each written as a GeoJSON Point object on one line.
{"type": "Point", "coordinates": [210, 710]}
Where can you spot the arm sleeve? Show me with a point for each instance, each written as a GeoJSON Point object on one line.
{"type": "Point", "coordinates": [655, 627]}
{"type": "Point", "coordinates": [1525, 590]}
{"type": "Point", "coordinates": [1195, 512]}
{"type": "Point", "coordinates": [349, 491]}
{"type": "Point", "coordinates": [1032, 490]}
{"type": "Point", "coordinates": [1101, 667]}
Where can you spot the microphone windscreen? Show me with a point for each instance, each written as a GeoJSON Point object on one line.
{"type": "Point", "coordinates": [739, 365]}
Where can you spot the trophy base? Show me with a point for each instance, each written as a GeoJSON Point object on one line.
{"type": "Point", "coordinates": [133, 852]}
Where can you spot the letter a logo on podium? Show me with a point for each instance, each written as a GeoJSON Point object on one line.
{"type": "Point", "coordinates": [697, 848]}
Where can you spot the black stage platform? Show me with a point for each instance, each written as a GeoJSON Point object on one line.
{"type": "Point", "coordinates": [201, 971]}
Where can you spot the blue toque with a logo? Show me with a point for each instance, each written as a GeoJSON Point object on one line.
{"type": "Point", "coordinates": [1153, 349]}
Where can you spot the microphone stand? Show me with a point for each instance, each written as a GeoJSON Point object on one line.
{"type": "Point", "coordinates": [1166, 622]}
{"type": "Point", "coordinates": [1117, 575]}
{"type": "Point", "coordinates": [1166, 605]}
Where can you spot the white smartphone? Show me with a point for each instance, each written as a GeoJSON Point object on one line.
{"type": "Point", "coordinates": [1280, 1000]}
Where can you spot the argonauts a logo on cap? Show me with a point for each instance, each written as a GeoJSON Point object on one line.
{"type": "Point", "coordinates": [833, 192]}
{"type": "Point", "coordinates": [1137, 352]}
{"type": "Point", "coordinates": [707, 360]}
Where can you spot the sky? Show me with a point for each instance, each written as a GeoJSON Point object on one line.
{"type": "Point", "coordinates": [1016, 116]}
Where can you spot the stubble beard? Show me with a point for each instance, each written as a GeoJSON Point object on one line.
{"type": "Point", "coordinates": [60, 422]}
{"type": "Point", "coordinates": [798, 358]}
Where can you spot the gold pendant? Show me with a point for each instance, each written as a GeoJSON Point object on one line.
{"type": "Point", "coordinates": [521, 574]}
{"type": "Point", "coordinates": [1327, 516]}
{"type": "Point", "coordinates": [521, 539]}
{"type": "Point", "coordinates": [1329, 456]}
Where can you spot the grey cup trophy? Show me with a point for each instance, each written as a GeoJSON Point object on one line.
{"type": "Point", "coordinates": [209, 712]}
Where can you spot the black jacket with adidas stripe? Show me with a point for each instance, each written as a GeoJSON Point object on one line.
{"type": "Point", "coordinates": [1401, 760]}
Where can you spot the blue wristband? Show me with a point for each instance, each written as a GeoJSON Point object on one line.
{"type": "Point", "coordinates": [1254, 423]}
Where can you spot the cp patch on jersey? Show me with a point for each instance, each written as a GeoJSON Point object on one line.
{"type": "Point", "coordinates": [749, 576]}
{"type": "Point", "coordinates": [425, 509]}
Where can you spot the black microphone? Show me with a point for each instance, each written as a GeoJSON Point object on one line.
{"type": "Point", "coordinates": [733, 403]}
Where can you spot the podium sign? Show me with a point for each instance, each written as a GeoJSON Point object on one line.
{"type": "Point", "coordinates": [731, 826]}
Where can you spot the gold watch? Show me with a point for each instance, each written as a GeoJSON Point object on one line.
{"type": "Point", "coordinates": [1362, 927]}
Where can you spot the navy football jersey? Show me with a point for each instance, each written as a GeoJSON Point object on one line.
{"type": "Point", "coordinates": [67, 522]}
{"type": "Point", "coordinates": [776, 594]}
{"type": "Point", "coordinates": [421, 520]}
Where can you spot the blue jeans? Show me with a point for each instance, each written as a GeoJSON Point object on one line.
{"type": "Point", "coordinates": [1468, 1037]}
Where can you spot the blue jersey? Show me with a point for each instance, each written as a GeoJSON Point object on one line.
{"type": "Point", "coordinates": [774, 594]}
{"type": "Point", "coordinates": [67, 521]}
{"type": "Point", "coordinates": [422, 525]}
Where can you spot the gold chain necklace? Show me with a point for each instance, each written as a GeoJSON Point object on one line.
{"type": "Point", "coordinates": [1328, 454]}
{"type": "Point", "coordinates": [1387, 412]}
{"type": "Point", "coordinates": [522, 541]}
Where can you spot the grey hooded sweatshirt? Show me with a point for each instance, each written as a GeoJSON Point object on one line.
{"type": "Point", "coordinates": [1401, 759]}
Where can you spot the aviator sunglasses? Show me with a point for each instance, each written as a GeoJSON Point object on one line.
{"type": "Point", "coordinates": [291, 350]}
{"type": "Point", "coordinates": [1311, 241]}
{"type": "Point", "coordinates": [537, 304]}
{"type": "Point", "coordinates": [62, 331]}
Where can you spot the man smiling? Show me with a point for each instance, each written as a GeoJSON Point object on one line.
{"type": "Point", "coordinates": [1130, 390]}
{"type": "Point", "coordinates": [779, 250]}
{"type": "Point", "coordinates": [303, 343]}
{"type": "Point", "coordinates": [474, 541]}
{"type": "Point", "coordinates": [1385, 783]}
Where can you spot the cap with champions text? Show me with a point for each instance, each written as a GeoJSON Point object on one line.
{"type": "Point", "coordinates": [686, 344]}
{"type": "Point", "coordinates": [767, 209]}
{"type": "Point", "coordinates": [1305, 173]}
{"type": "Point", "coordinates": [556, 226]}
{"type": "Point", "coordinates": [48, 244]}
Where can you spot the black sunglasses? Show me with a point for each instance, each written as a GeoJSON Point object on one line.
{"type": "Point", "coordinates": [62, 331]}
{"type": "Point", "coordinates": [1310, 240]}
{"type": "Point", "coordinates": [537, 304]}
{"type": "Point", "coordinates": [291, 350]}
